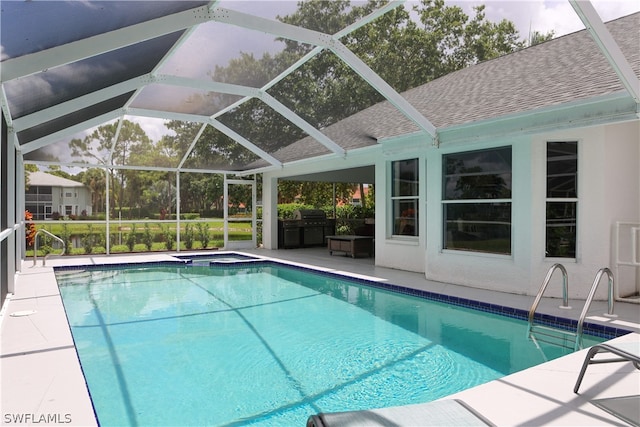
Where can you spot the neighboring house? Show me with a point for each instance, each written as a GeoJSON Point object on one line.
{"type": "Point", "coordinates": [536, 161]}
{"type": "Point", "coordinates": [356, 199]}
{"type": "Point", "coordinates": [50, 194]}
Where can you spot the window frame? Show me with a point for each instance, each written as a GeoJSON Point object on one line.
{"type": "Point", "coordinates": [483, 203]}
{"type": "Point", "coordinates": [572, 255]}
{"type": "Point", "coordinates": [409, 222]}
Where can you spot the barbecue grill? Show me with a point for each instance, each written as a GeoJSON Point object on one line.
{"type": "Point", "coordinates": [312, 222]}
{"type": "Point", "coordinates": [289, 234]}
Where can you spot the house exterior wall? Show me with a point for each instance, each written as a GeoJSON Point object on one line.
{"type": "Point", "coordinates": [608, 192]}
{"type": "Point", "coordinates": [401, 252]}
{"type": "Point", "coordinates": [44, 200]}
{"type": "Point", "coordinates": [79, 198]}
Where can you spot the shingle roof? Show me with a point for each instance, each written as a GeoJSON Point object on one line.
{"type": "Point", "coordinates": [46, 179]}
{"type": "Point", "coordinates": [563, 70]}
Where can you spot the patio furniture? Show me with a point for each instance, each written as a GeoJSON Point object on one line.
{"type": "Point", "coordinates": [449, 412]}
{"type": "Point", "coordinates": [626, 352]}
{"type": "Point", "coordinates": [350, 244]}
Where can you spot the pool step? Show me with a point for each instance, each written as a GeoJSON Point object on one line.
{"type": "Point", "coordinates": [85, 276]}
{"type": "Point", "coordinates": [553, 336]}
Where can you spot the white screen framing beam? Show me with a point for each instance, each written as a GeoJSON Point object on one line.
{"type": "Point", "coordinates": [341, 51]}
{"type": "Point", "coordinates": [378, 83]}
{"type": "Point", "coordinates": [188, 20]}
{"type": "Point", "coordinates": [96, 45]}
{"type": "Point", "coordinates": [606, 43]}
{"type": "Point", "coordinates": [245, 143]}
{"type": "Point", "coordinates": [302, 124]}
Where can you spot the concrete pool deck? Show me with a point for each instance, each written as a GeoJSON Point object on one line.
{"type": "Point", "coordinates": [42, 382]}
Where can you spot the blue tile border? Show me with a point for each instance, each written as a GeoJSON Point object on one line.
{"type": "Point", "coordinates": [593, 329]}
{"type": "Point", "coordinates": [238, 257]}
{"type": "Point", "coordinates": [120, 265]}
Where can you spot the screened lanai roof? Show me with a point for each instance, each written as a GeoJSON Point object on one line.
{"type": "Point", "coordinates": [181, 70]}
{"type": "Point", "coordinates": [69, 67]}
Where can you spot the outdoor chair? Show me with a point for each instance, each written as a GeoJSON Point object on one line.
{"type": "Point", "coordinates": [626, 352]}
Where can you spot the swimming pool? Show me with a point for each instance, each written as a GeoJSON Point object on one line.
{"type": "Point", "coordinates": [261, 343]}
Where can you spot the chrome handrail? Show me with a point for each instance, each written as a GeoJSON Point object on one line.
{"type": "Point", "coordinates": [545, 283]}
{"type": "Point", "coordinates": [35, 246]}
{"type": "Point", "coordinates": [587, 303]}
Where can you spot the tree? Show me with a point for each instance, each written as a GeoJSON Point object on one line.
{"type": "Point", "coordinates": [96, 180]}
{"type": "Point", "coordinates": [399, 49]}
{"type": "Point", "coordinates": [536, 37]}
{"type": "Point", "coordinates": [404, 52]}
{"type": "Point", "coordinates": [200, 192]}
{"type": "Point", "coordinates": [163, 195]}
{"type": "Point", "coordinates": [28, 169]}
{"type": "Point", "coordinates": [288, 191]}
{"type": "Point", "coordinates": [101, 146]}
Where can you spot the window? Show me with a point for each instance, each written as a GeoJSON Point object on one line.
{"type": "Point", "coordinates": [562, 199]}
{"type": "Point", "coordinates": [477, 200]}
{"type": "Point", "coordinates": [404, 197]}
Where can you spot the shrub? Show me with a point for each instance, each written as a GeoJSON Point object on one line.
{"type": "Point", "coordinates": [286, 210]}
{"type": "Point", "coordinates": [344, 229]}
{"type": "Point", "coordinates": [66, 237]}
{"type": "Point", "coordinates": [131, 238]}
{"type": "Point", "coordinates": [147, 237]}
{"type": "Point", "coordinates": [88, 241]}
{"type": "Point", "coordinates": [30, 229]}
{"type": "Point", "coordinates": [188, 236]}
{"type": "Point", "coordinates": [169, 238]}
{"type": "Point", "coordinates": [203, 234]}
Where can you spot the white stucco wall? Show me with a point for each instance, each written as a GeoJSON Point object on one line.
{"type": "Point", "coordinates": [80, 199]}
{"type": "Point", "coordinates": [608, 191]}
{"type": "Point", "coordinates": [622, 191]}
{"type": "Point", "coordinates": [608, 177]}
{"type": "Point", "coordinates": [400, 252]}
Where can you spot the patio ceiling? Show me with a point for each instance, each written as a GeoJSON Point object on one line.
{"type": "Point", "coordinates": [69, 67]}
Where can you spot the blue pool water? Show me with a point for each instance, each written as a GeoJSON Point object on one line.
{"type": "Point", "coordinates": [262, 344]}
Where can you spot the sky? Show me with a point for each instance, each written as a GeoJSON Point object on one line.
{"type": "Point", "coordinates": [548, 15]}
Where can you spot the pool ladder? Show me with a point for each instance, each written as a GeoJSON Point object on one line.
{"type": "Point", "coordinates": [35, 246]}
{"type": "Point", "coordinates": [561, 337]}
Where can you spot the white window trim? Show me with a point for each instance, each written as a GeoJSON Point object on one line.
{"type": "Point", "coordinates": [392, 199]}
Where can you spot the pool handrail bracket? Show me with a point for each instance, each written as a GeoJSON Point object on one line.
{"type": "Point", "coordinates": [35, 246]}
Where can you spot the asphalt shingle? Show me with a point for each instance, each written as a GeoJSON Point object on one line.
{"type": "Point", "coordinates": [566, 69]}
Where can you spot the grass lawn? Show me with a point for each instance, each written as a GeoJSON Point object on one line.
{"type": "Point", "coordinates": [89, 237]}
